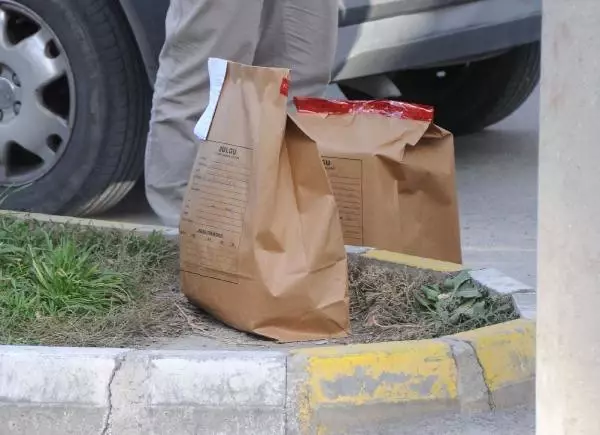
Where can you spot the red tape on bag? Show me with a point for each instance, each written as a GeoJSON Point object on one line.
{"type": "Point", "coordinates": [396, 109]}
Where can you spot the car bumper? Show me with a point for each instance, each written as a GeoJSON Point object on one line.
{"type": "Point", "coordinates": [432, 36]}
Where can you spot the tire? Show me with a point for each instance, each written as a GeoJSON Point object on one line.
{"type": "Point", "coordinates": [109, 106]}
{"type": "Point", "coordinates": [470, 97]}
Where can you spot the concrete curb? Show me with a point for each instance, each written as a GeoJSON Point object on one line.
{"type": "Point", "coordinates": [353, 389]}
{"type": "Point", "coordinates": [337, 390]}
{"type": "Point", "coordinates": [125, 227]}
{"type": "Point", "coordinates": [326, 390]}
{"type": "Point", "coordinates": [107, 391]}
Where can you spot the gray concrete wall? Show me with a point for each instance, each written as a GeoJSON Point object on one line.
{"type": "Point", "coordinates": [569, 220]}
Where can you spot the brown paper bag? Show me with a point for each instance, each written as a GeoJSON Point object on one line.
{"type": "Point", "coordinates": [392, 172]}
{"type": "Point", "coordinates": [261, 242]}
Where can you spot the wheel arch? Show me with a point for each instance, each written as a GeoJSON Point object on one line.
{"type": "Point", "coordinates": [147, 21]}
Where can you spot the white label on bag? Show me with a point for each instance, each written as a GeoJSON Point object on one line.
{"type": "Point", "coordinates": [217, 70]}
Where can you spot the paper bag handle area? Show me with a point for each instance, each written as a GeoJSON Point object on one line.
{"type": "Point", "coordinates": [395, 109]}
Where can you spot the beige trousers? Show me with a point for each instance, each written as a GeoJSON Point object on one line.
{"type": "Point", "coordinates": [296, 34]}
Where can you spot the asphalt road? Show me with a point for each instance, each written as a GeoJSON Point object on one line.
{"type": "Point", "coordinates": [497, 183]}
{"type": "Point", "coordinates": [518, 421]}
{"type": "Point", "coordinates": [497, 186]}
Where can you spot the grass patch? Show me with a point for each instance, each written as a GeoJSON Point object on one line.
{"type": "Point", "coordinates": [66, 285]}
{"type": "Point", "coordinates": [78, 286]}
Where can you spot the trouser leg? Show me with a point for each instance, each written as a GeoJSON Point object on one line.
{"type": "Point", "coordinates": [296, 34]}
{"type": "Point", "coordinates": [300, 35]}
{"type": "Point", "coordinates": [196, 30]}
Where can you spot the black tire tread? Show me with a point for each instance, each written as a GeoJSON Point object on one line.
{"type": "Point", "coordinates": [123, 154]}
{"type": "Point", "coordinates": [520, 75]}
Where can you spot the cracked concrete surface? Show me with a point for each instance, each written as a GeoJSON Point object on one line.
{"type": "Point", "coordinates": [490, 396]}
{"type": "Point", "coordinates": [199, 392]}
{"type": "Point", "coordinates": [109, 393]}
{"type": "Point", "coordinates": [54, 391]}
{"type": "Point", "coordinates": [473, 392]}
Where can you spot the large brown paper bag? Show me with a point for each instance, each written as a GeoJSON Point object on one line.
{"type": "Point", "coordinates": [392, 172]}
{"type": "Point", "coordinates": [261, 242]}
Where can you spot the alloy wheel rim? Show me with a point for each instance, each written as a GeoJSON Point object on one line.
{"type": "Point", "coordinates": [37, 96]}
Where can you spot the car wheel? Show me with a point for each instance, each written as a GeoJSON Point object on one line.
{"type": "Point", "coordinates": [74, 106]}
{"type": "Point", "coordinates": [472, 96]}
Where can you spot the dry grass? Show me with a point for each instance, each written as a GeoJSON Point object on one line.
{"type": "Point", "coordinates": [131, 295]}
{"type": "Point", "coordinates": [385, 303]}
{"type": "Point", "coordinates": [382, 301]}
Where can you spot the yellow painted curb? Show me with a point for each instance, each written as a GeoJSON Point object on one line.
{"type": "Point", "coordinates": [367, 379]}
{"type": "Point", "coordinates": [506, 353]}
{"type": "Point", "coordinates": [372, 383]}
{"type": "Point", "coordinates": [381, 373]}
{"type": "Point", "coordinates": [410, 260]}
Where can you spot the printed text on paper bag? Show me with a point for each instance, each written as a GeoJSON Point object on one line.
{"type": "Point", "coordinates": [215, 209]}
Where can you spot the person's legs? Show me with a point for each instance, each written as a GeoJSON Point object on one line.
{"type": "Point", "coordinates": [300, 35]}
{"type": "Point", "coordinates": [196, 30]}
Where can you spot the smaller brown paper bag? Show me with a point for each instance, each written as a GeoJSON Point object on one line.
{"type": "Point", "coordinates": [392, 172]}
